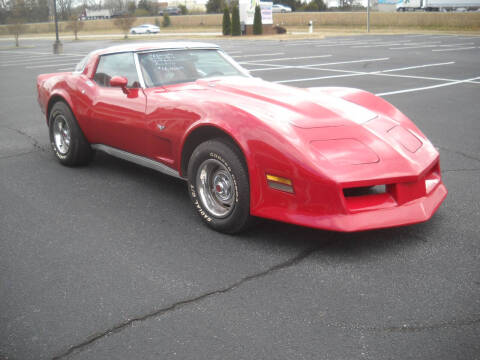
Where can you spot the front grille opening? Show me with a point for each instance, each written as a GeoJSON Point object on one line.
{"type": "Point", "coordinates": [365, 190]}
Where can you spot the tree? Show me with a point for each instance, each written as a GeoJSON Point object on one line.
{"type": "Point", "coordinates": [124, 22]}
{"type": "Point", "coordinates": [16, 21]}
{"type": "Point", "coordinates": [294, 4]}
{"type": "Point", "coordinates": [75, 25]}
{"type": "Point", "coordinates": [226, 23]}
{"type": "Point", "coordinates": [215, 6]}
{"type": "Point", "coordinates": [65, 8]}
{"type": "Point", "coordinates": [315, 5]}
{"type": "Point", "coordinates": [257, 21]}
{"type": "Point", "coordinates": [16, 27]}
{"type": "Point", "coordinates": [236, 30]}
{"type": "Point", "coordinates": [183, 9]}
{"type": "Point", "coordinates": [166, 20]}
{"type": "Point", "coordinates": [131, 7]}
{"type": "Point", "coordinates": [144, 4]}
{"type": "Point", "coordinates": [42, 10]}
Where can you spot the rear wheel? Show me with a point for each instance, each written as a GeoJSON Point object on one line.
{"type": "Point", "coordinates": [219, 187]}
{"type": "Point", "coordinates": [68, 142]}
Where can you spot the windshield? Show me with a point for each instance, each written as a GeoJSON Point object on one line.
{"type": "Point", "coordinates": [181, 66]}
{"type": "Point", "coordinates": [81, 65]}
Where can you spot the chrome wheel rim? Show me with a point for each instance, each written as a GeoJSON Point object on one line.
{"type": "Point", "coordinates": [216, 188]}
{"type": "Point", "coordinates": [61, 134]}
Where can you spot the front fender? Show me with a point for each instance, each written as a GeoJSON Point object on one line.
{"type": "Point", "coordinates": [275, 151]}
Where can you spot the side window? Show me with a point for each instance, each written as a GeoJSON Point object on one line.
{"type": "Point", "coordinates": [116, 65]}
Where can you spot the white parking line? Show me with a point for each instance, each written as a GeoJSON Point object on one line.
{"type": "Point", "coordinates": [50, 65]}
{"type": "Point", "coordinates": [428, 87]}
{"type": "Point", "coordinates": [254, 55]}
{"type": "Point", "coordinates": [418, 66]}
{"type": "Point", "coordinates": [414, 47]}
{"type": "Point", "coordinates": [35, 52]}
{"type": "Point", "coordinates": [378, 45]}
{"type": "Point", "coordinates": [461, 44]}
{"type": "Point", "coordinates": [32, 60]}
{"type": "Point", "coordinates": [360, 73]}
{"type": "Point", "coordinates": [253, 62]}
{"type": "Point", "coordinates": [320, 78]}
{"type": "Point", "coordinates": [312, 66]}
{"type": "Point", "coordinates": [456, 49]}
{"type": "Point", "coordinates": [416, 35]}
{"type": "Point", "coordinates": [470, 38]}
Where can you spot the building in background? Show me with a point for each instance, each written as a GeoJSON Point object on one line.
{"type": "Point", "coordinates": [191, 5]}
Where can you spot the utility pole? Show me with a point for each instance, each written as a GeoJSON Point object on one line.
{"type": "Point", "coordinates": [368, 16]}
{"type": "Point", "coordinates": [57, 45]}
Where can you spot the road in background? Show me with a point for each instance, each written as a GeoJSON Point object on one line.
{"type": "Point", "coordinates": [110, 261]}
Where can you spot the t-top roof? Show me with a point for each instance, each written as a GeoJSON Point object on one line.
{"type": "Point", "coordinates": [177, 45]}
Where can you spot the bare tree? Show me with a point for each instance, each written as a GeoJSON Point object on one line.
{"type": "Point", "coordinates": [115, 6]}
{"type": "Point", "coordinates": [16, 27]}
{"type": "Point", "coordinates": [75, 25]}
{"type": "Point", "coordinates": [16, 21]}
{"type": "Point", "coordinates": [65, 8]}
{"type": "Point", "coordinates": [124, 22]}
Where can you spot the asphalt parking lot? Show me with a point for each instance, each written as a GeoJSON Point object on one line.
{"type": "Point", "coordinates": [110, 261]}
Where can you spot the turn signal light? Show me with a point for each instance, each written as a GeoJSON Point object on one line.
{"type": "Point", "coordinates": [280, 183]}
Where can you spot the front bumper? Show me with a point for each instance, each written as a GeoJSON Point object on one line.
{"type": "Point", "coordinates": [416, 211]}
{"type": "Point", "coordinates": [401, 203]}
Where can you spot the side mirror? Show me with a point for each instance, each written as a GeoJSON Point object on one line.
{"type": "Point", "coordinates": [119, 81]}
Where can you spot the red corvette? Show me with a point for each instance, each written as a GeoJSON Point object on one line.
{"type": "Point", "coordinates": [330, 158]}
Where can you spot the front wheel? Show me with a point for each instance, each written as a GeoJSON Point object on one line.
{"type": "Point", "coordinates": [219, 187]}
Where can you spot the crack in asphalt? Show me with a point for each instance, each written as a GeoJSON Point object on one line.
{"type": "Point", "coordinates": [16, 155]}
{"type": "Point", "coordinates": [459, 153]}
{"type": "Point", "coordinates": [159, 312]}
{"type": "Point", "coordinates": [33, 141]}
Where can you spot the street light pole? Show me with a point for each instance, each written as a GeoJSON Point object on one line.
{"type": "Point", "coordinates": [368, 15]}
{"type": "Point", "coordinates": [57, 45]}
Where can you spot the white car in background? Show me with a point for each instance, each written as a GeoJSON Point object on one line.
{"type": "Point", "coordinates": [279, 8]}
{"type": "Point", "coordinates": [145, 29]}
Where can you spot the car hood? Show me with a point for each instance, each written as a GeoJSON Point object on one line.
{"type": "Point", "coordinates": [278, 103]}
{"type": "Point", "coordinates": [334, 133]}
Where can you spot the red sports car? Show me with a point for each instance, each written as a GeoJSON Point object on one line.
{"type": "Point", "coordinates": [330, 158]}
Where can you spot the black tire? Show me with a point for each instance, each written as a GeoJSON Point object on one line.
{"type": "Point", "coordinates": [78, 151]}
{"type": "Point", "coordinates": [231, 165]}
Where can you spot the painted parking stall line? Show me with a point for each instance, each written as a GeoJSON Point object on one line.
{"type": "Point", "coordinates": [350, 73]}
{"type": "Point", "coordinates": [254, 62]}
{"type": "Point", "coordinates": [49, 60]}
{"type": "Point", "coordinates": [313, 66]}
{"type": "Point", "coordinates": [427, 87]}
{"type": "Point", "coordinates": [257, 55]}
{"type": "Point", "coordinates": [50, 65]}
{"type": "Point", "coordinates": [456, 49]}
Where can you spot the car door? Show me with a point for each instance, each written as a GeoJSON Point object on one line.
{"type": "Point", "coordinates": [118, 115]}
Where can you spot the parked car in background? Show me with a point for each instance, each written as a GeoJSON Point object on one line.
{"type": "Point", "coordinates": [279, 8]}
{"type": "Point", "coordinates": [438, 5]}
{"type": "Point", "coordinates": [145, 29]}
{"type": "Point", "coordinates": [170, 10]}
